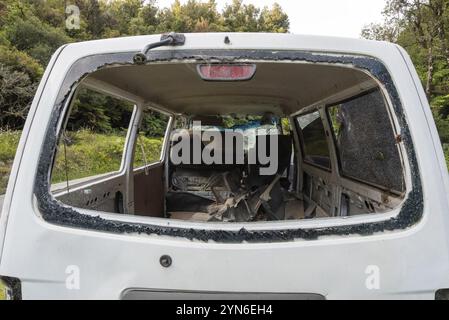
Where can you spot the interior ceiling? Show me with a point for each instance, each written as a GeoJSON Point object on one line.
{"type": "Point", "coordinates": [282, 88]}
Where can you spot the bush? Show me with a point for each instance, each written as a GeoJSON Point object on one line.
{"type": "Point", "coordinates": [8, 145]}
{"type": "Point", "coordinates": [16, 94]}
{"type": "Point", "coordinates": [38, 39]}
{"type": "Point", "coordinates": [20, 61]}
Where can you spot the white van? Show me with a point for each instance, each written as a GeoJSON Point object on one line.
{"type": "Point", "coordinates": [350, 202]}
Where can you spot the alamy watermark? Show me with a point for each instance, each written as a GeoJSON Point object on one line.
{"type": "Point", "coordinates": [73, 278]}
{"type": "Point", "coordinates": [372, 281]}
{"type": "Point", "coordinates": [213, 146]}
{"type": "Point", "coordinates": [73, 20]}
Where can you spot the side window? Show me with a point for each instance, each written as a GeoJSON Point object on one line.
{"type": "Point", "coordinates": [93, 141]}
{"type": "Point", "coordinates": [150, 138]}
{"type": "Point", "coordinates": [316, 148]}
{"type": "Point", "coordinates": [365, 141]}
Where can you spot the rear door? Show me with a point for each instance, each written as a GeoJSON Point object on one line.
{"type": "Point", "coordinates": [109, 257]}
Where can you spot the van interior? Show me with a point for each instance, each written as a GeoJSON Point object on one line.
{"type": "Point", "coordinates": [328, 129]}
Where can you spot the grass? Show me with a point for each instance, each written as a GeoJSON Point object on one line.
{"type": "Point", "coordinates": [8, 145]}
{"type": "Point", "coordinates": [3, 294]}
{"type": "Point", "coordinates": [88, 154]}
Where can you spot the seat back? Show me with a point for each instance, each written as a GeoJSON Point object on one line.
{"type": "Point", "coordinates": [283, 158]}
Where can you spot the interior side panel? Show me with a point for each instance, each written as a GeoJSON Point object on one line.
{"type": "Point", "coordinates": [104, 195]}
{"type": "Point", "coordinates": [149, 192]}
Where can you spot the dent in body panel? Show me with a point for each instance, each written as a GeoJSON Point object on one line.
{"type": "Point", "coordinates": [55, 212]}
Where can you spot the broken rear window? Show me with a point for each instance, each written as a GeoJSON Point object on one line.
{"type": "Point", "coordinates": [223, 193]}
{"type": "Point", "coordinates": [365, 141]}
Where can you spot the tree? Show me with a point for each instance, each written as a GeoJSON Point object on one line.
{"type": "Point", "coordinates": [421, 27]}
{"type": "Point", "coordinates": [274, 20]}
{"type": "Point", "coordinates": [416, 24]}
{"type": "Point", "coordinates": [95, 19]}
{"type": "Point", "coordinates": [193, 16]}
{"type": "Point", "coordinates": [122, 12]}
{"type": "Point", "coordinates": [31, 30]}
{"type": "Point", "coordinates": [16, 93]}
{"type": "Point", "coordinates": [37, 39]}
{"type": "Point", "coordinates": [240, 17]}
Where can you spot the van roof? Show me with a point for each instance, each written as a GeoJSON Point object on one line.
{"type": "Point", "coordinates": [296, 88]}
{"type": "Point", "coordinates": [239, 41]}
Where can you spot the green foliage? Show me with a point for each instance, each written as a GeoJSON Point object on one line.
{"type": "Point", "coordinates": [148, 150]}
{"type": "Point", "coordinates": [21, 61]}
{"type": "Point", "coordinates": [154, 124]}
{"type": "Point", "coordinates": [37, 39]}
{"type": "Point", "coordinates": [99, 113]}
{"type": "Point", "coordinates": [193, 16]}
{"type": "Point", "coordinates": [274, 20]}
{"type": "Point", "coordinates": [422, 28]}
{"type": "Point", "coordinates": [286, 127]}
{"type": "Point", "coordinates": [16, 93]}
{"type": "Point", "coordinates": [248, 18]}
{"type": "Point", "coordinates": [8, 145]}
{"type": "Point", "coordinates": [31, 30]}
{"type": "Point", "coordinates": [446, 153]}
{"type": "Point", "coordinates": [441, 104]}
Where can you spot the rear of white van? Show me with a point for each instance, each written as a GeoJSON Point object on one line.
{"type": "Point", "coordinates": [389, 240]}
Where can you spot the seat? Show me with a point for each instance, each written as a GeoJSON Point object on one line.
{"type": "Point", "coordinates": [283, 158]}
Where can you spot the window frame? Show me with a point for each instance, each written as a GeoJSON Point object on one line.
{"type": "Point", "coordinates": [308, 111]}
{"type": "Point", "coordinates": [402, 217]}
{"type": "Point", "coordinates": [165, 138]}
{"type": "Point", "coordinates": [126, 146]}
